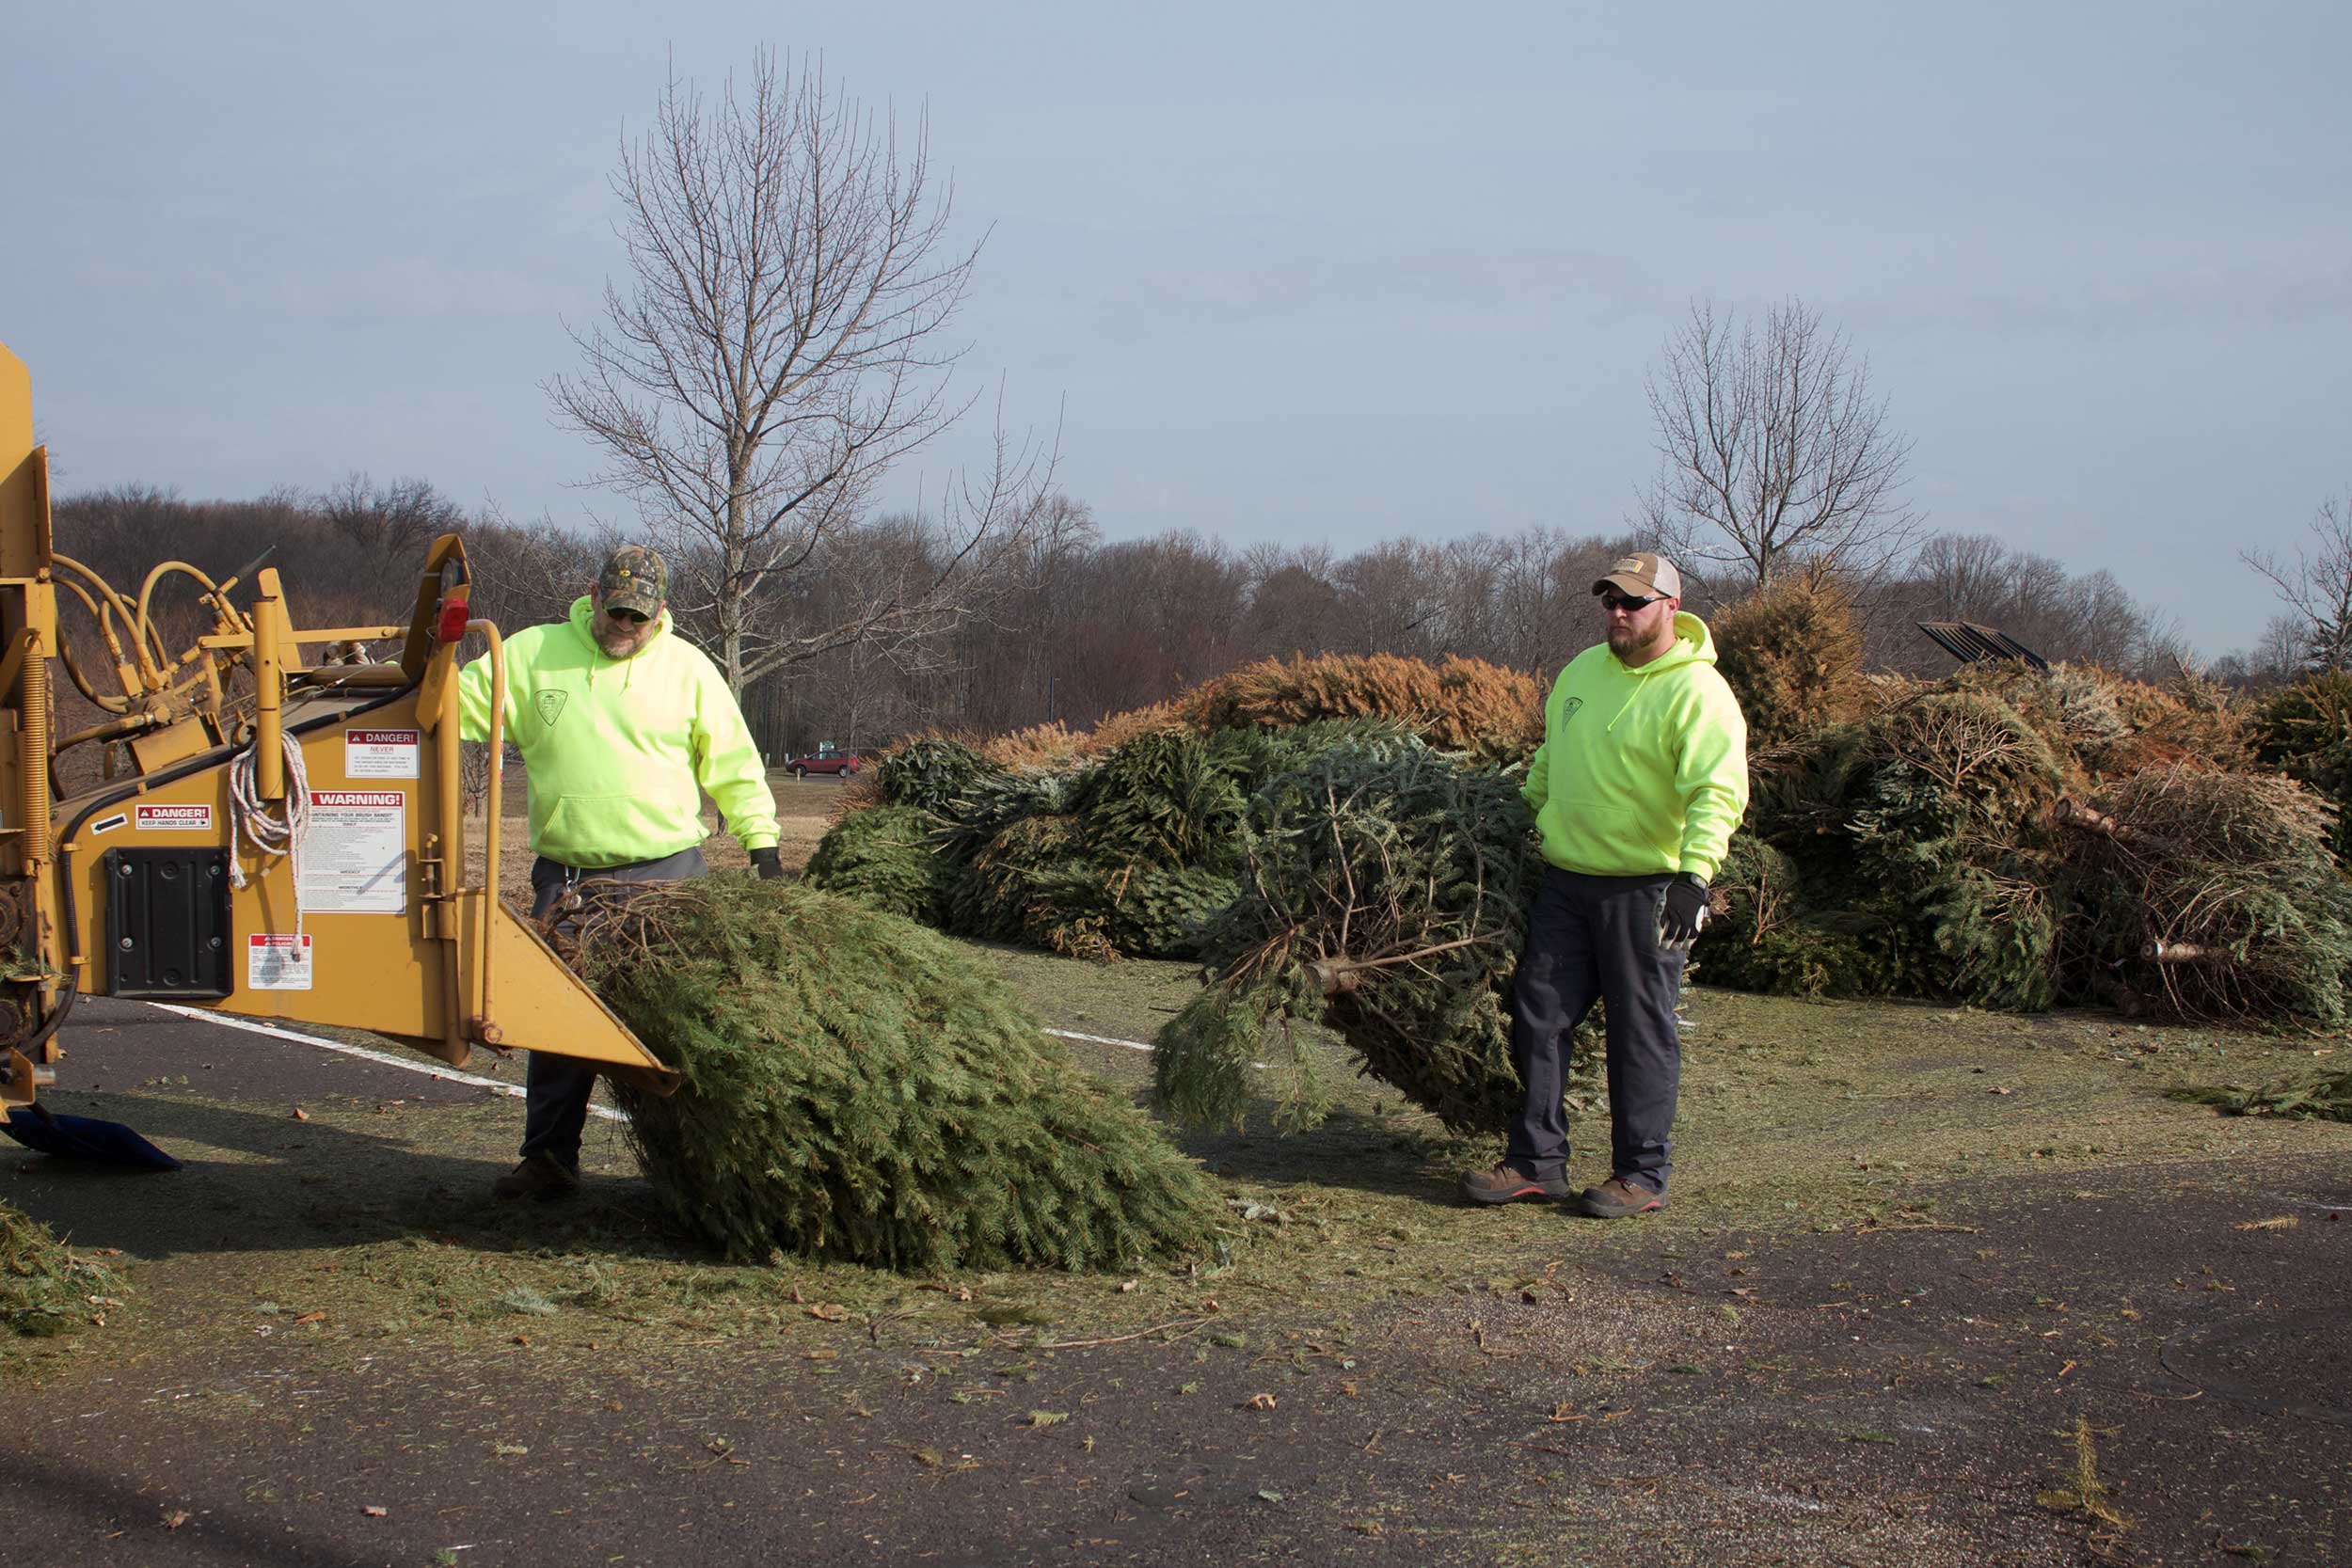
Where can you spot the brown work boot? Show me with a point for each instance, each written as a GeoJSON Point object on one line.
{"type": "Point", "coordinates": [542, 1176]}
{"type": "Point", "coordinates": [1617, 1197]}
{"type": "Point", "coordinates": [1507, 1183]}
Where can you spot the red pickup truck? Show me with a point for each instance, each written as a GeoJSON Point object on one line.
{"type": "Point", "coordinates": [825, 759]}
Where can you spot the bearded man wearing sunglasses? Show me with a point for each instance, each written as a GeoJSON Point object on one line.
{"type": "Point", "coordinates": [1639, 781]}
{"type": "Point", "coordinates": [624, 727]}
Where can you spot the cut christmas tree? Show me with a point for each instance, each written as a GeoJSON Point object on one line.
{"type": "Point", "coordinates": [856, 1087]}
{"type": "Point", "coordinates": [1386, 897]}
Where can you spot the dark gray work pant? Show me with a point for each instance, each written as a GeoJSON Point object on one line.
{"type": "Point", "coordinates": [1595, 939]}
{"type": "Point", "coordinates": [556, 1088]}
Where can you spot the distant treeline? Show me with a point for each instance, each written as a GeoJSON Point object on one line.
{"type": "Point", "coordinates": [1077, 628]}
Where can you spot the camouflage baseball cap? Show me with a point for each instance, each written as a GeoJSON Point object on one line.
{"type": "Point", "coordinates": [634, 578]}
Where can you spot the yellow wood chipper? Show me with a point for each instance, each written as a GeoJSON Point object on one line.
{"type": "Point", "coordinates": [280, 831]}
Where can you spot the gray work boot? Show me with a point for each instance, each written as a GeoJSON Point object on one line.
{"type": "Point", "coordinates": [542, 1176]}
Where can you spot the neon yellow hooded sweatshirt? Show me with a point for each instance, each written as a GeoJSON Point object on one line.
{"type": "Point", "coordinates": [620, 750]}
{"type": "Point", "coordinates": [1641, 772]}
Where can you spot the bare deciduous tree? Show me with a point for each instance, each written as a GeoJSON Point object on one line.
{"type": "Point", "coordinates": [1294, 606]}
{"type": "Point", "coordinates": [896, 587]}
{"type": "Point", "coordinates": [399, 521]}
{"type": "Point", "coordinates": [1543, 611]}
{"type": "Point", "coordinates": [2285, 651]}
{"type": "Point", "coordinates": [2316, 586]}
{"type": "Point", "coordinates": [781, 343]}
{"type": "Point", "coordinates": [524, 574]}
{"type": "Point", "coordinates": [1773, 449]}
{"type": "Point", "coordinates": [1395, 592]}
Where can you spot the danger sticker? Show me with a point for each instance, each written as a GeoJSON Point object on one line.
{"type": "Point", "coordinates": [380, 753]}
{"type": "Point", "coordinates": [275, 962]}
{"type": "Point", "coordinates": [180, 820]}
{"type": "Point", "coordinates": [355, 852]}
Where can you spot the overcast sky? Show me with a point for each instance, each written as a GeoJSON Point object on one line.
{"type": "Point", "coordinates": [1301, 271]}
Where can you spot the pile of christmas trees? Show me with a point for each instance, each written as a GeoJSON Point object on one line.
{"type": "Point", "coordinates": [1341, 842]}
{"type": "Point", "coordinates": [1129, 840]}
{"type": "Point", "coordinates": [2013, 838]}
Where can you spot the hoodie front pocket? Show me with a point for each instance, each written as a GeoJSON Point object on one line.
{"type": "Point", "coordinates": [611, 830]}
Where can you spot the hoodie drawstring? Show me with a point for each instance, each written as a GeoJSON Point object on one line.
{"type": "Point", "coordinates": [1630, 698]}
{"type": "Point", "coordinates": [1640, 677]}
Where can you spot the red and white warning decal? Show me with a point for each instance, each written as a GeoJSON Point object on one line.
{"type": "Point", "coordinates": [380, 753]}
{"type": "Point", "coordinates": [174, 820]}
{"type": "Point", "coordinates": [275, 961]}
{"type": "Point", "coordinates": [395, 799]}
{"type": "Point", "coordinates": [354, 853]}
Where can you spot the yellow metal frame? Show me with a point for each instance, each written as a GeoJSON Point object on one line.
{"type": "Point", "coordinates": [452, 969]}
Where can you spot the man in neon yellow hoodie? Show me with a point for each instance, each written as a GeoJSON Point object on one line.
{"type": "Point", "coordinates": [624, 727]}
{"type": "Point", "coordinates": [1639, 781]}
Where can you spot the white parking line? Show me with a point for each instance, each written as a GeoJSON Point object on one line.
{"type": "Point", "coordinates": [451, 1075]}
{"type": "Point", "coordinates": [445, 1073]}
{"type": "Point", "coordinates": [1096, 1040]}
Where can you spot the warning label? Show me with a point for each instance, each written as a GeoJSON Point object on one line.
{"type": "Point", "coordinates": [380, 753]}
{"type": "Point", "coordinates": [355, 855]}
{"type": "Point", "coordinates": [184, 819]}
{"type": "Point", "coordinates": [277, 962]}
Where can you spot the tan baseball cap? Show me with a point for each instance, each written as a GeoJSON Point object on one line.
{"type": "Point", "coordinates": [1645, 576]}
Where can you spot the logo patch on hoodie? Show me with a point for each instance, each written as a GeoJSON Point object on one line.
{"type": "Point", "coordinates": [1568, 710]}
{"type": "Point", "coordinates": [550, 707]}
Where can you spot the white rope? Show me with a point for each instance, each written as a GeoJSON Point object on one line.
{"type": "Point", "coordinates": [268, 834]}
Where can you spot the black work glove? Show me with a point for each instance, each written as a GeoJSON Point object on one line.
{"type": "Point", "coordinates": [767, 863]}
{"type": "Point", "coordinates": [1684, 912]}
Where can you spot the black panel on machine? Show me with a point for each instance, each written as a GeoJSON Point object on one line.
{"type": "Point", "coordinates": [169, 934]}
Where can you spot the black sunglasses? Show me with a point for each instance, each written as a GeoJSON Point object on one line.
{"type": "Point", "coordinates": [1620, 601]}
{"type": "Point", "coordinates": [631, 617]}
